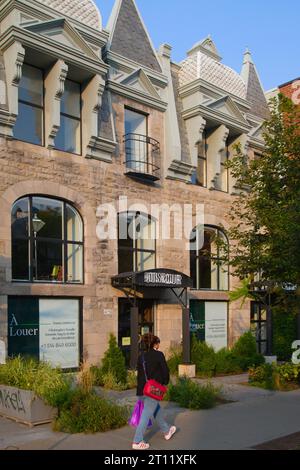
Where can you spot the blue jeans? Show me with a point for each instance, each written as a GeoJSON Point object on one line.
{"type": "Point", "coordinates": [152, 409]}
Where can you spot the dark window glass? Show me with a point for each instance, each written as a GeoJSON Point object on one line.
{"type": "Point", "coordinates": [68, 137]}
{"type": "Point", "coordinates": [259, 326]}
{"type": "Point", "coordinates": [50, 214]}
{"type": "Point", "coordinates": [137, 252]}
{"type": "Point", "coordinates": [47, 241]}
{"type": "Point", "coordinates": [29, 124]}
{"type": "Point", "coordinates": [209, 268]}
{"type": "Point", "coordinates": [49, 258]}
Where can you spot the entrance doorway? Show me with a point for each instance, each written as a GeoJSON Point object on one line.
{"type": "Point", "coordinates": [146, 323]}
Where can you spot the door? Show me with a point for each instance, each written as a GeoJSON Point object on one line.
{"type": "Point", "coordinates": [146, 323]}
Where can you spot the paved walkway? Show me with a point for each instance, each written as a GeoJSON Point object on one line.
{"type": "Point", "coordinates": [256, 416]}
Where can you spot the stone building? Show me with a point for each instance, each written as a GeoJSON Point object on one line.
{"type": "Point", "coordinates": [89, 115]}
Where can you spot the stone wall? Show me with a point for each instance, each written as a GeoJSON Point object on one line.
{"type": "Point", "coordinates": [28, 169]}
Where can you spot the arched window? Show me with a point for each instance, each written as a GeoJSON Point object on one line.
{"type": "Point", "coordinates": [47, 241]}
{"type": "Point", "coordinates": [209, 267]}
{"type": "Point", "coordinates": [137, 243]}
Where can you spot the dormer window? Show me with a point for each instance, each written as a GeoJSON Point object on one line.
{"type": "Point", "coordinates": [29, 126]}
{"type": "Point", "coordinates": [68, 138]}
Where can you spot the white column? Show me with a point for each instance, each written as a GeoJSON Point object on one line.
{"type": "Point", "coordinates": [13, 60]}
{"type": "Point", "coordinates": [216, 145]}
{"type": "Point", "coordinates": [54, 89]}
{"type": "Point", "coordinates": [91, 104]}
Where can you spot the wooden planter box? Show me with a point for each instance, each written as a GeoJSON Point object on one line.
{"type": "Point", "coordinates": [24, 406]}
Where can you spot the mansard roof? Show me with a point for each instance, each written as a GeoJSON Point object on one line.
{"type": "Point", "coordinates": [204, 63]}
{"type": "Point", "coordinates": [129, 37]}
{"type": "Point", "coordinates": [84, 11]}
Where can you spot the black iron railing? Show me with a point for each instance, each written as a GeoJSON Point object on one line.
{"type": "Point", "coordinates": [142, 156]}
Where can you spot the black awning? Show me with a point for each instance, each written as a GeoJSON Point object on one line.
{"type": "Point", "coordinates": [159, 278]}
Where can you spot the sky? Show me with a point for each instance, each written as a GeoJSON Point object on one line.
{"type": "Point", "coordinates": [269, 28]}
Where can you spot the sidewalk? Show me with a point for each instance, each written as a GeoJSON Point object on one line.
{"type": "Point", "coordinates": [257, 417]}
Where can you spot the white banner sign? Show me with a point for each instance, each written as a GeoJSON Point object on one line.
{"type": "Point", "coordinates": [59, 332]}
{"type": "Point", "coordinates": [216, 324]}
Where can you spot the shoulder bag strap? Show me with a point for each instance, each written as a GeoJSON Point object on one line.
{"type": "Point", "coordinates": [144, 367]}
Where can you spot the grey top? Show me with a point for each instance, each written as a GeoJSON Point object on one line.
{"type": "Point", "coordinates": [130, 39]}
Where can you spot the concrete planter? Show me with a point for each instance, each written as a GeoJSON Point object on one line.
{"type": "Point", "coordinates": [24, 406]}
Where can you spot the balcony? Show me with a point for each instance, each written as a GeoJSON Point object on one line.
{"type": "Point", "coordinates": [142, 157]}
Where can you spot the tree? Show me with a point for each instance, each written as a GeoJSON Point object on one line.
{"type": "Point", "coordinates": [265, 233]}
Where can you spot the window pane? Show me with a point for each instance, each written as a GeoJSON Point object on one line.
{"type": "Point", "coordinates": [145, 260]}
{"type": "Point", "coordinates": [68, 136]}
{"type": "Point", "coordinates": [214, 275]}
{"type": "Point", "coordinates": [135, 123]}
{"type": "Point", "coordinates": [193, 266]}
{"type": "Point", "coordinates": [20, 260]}
{"type": "Point", "coordinates": [29, 124]}
{"type": "Point", "coordinates": [145, 233]}
{"type": "Point", "coordinates": [136, 146]}
{"type": "Point", "coordinates": [75, 263]}
{"type": "Point", "coordinates": [223, 272]}
{"type": "Point", "coordinates": [49, 257]}
{"type": "Point", "coordinates": [125, 259]}
{"type": "Point", "coordinates": [47, 218]}
{"type": "Point", "coordinates": [126, 230]}
{"type": "Point", "coordinates": [31, 85]}
{"type": "Point", "coordinates": [20, 217]}
{"type": "Point", "coordinates": [205, 277]}
{"type": "Point", "coordinates": [70, 103]}
{"type": "Point", "coordinates": [74, 225]}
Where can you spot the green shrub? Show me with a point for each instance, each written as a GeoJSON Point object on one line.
{"type": "Point", "coordinates": [289, 373]}
{"type": "Point", "coordinates": [284, 330]}
{"type": "Point", "coordinates": [245, 353]}
{"type": "Point", "coordinates": [110, 383]}
{"type": "Point", "coordinates": [262, 376]}
{"type": "Point", "coordinates": [204, 357]}
{"type": "Point", "coordinates": [27, 374]}
{"type": "Point", "coordinates": [175, 359]}
{"type": "Point", "coordinates": [274, 377]}
{"type": "Point", "coordinates": [131, 379]}
{"type": "Point", "coordinates": [89, 413]}
{"type": "Point", "coordinates": [114, 361]}
{"type": "Point", "coordinates": [226, 363]}
{"type": "Point", "coordinates": [190, 395]}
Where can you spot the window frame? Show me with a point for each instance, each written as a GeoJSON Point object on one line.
{"type": "Point", "coordinates": [258, 323]}
{"type": "Point", "coordinates": [33, 105]}
{"type": "Point", "coordinates": [69, 116]}
{"type": "Point", "coordinates": [64, 243]}
{"type": "Point", "coordinates": [134, 250]}
{"type": "Point", "coordinates": [217, 258]}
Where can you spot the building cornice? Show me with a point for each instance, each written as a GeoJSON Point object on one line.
{"type": "Point", "coordinates": [128, 66]}
{"type": "Point", "coordinates": [53, 48]}
{"type": "Point", "coordinates": [202, 85]}
{"type": "Point", "coordinates": [218, 116]}
{"type": "Point", "coordinates": [137, 95]}
{"type": "Point", "coordinates": [45, 13]}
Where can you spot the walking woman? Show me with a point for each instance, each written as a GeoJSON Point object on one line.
{"type": "Point", "coordinates": [156, 369]}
